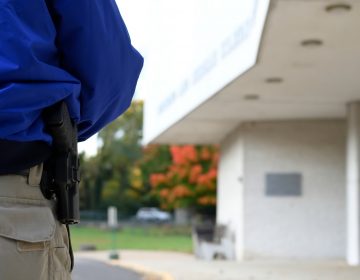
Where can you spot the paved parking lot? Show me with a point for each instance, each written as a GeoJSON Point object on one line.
{"type": "Point", "coordinates": [88, 269]}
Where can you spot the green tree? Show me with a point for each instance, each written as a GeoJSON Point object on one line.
{"type": "Point", "coordinates": [106, 176]}
{"type": "Point", "coordinates": [126, 175]}
{"type": "Point", "coordinates": [155, 158]}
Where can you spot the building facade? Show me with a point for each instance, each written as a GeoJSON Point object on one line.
{"type": "Point", "coordinates": [279, 90]}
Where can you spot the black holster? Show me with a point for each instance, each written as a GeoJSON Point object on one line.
{"type": "Point", "coordinates": [61, 177]}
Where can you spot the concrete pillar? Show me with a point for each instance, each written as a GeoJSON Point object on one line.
{"type": "Point", "coordinates": [230, 191]}
{"type": "Point", "coordinates": [353, 184]}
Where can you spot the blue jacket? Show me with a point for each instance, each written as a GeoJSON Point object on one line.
{"type": "Point", "coordinates": [73, 50]}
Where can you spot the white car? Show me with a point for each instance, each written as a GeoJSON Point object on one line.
{"type": "Point", "coordinates": [152, 214]}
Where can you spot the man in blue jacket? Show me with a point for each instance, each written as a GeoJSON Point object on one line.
{"type": "Point", "coordinates": [77, 51]}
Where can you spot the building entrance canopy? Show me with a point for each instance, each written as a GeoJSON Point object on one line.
{"type": "Point", "coordinates": [210, 44]}
{"type": "Point", "coordinates": [307, 67]}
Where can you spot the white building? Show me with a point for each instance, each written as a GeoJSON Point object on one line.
{"type": "Point", "coordinates": [277, 85]}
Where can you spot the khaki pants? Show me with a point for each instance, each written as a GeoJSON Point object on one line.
{"type": "Point", "coordinates": [33, 244]}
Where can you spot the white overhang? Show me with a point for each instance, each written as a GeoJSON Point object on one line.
{"type": "Point", "coordinates": [308, 67]}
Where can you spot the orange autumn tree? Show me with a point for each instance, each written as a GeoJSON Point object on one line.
{"type": "Point", "coordinates": [190, 180]}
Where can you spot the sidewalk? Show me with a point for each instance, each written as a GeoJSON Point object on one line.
{"type": "Point", "coordinates": [179, 266]}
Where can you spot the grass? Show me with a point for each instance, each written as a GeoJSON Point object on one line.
{"type": "Point", "coordinates": [141, 238]}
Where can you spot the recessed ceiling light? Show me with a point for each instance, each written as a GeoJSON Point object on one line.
{"type": "Point", "coordinates": [251, 97]}
{"type": "Point", "coordinates": [274, 80]}
{"type": "Point", "coordinates": [312, 43]}
{"type": "Point", "coordinates": [338, 8]}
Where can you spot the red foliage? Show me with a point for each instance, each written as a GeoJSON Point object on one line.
{"type": "Point", "coordinates": [190, 180]}
{"type": "Point", "coordinates": [195, 173]}
{"type": "Point", "coordinates": [212, 174]}
{"type": "Point", "coordinates": [164, 193]}
{"type": "Point", "coordinates": [183, 154]}
{"type": "Point", "coordinates": [207, 200]}
{"type": "Point", "coordinates": [157, 179]}
{"type": "Point", "coordinates": [180, 191]}
{"type": "Point", "coordinates": [205, 154]}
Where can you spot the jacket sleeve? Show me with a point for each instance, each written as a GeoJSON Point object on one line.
{"type": "Point", "coordinates": [94, 46]}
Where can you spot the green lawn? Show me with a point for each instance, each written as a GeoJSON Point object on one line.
{"type": "Point", "coordinates": [143, 238]}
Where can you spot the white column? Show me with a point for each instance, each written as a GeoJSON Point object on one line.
{"type": "Point", "coordinates": [230, 200]}
{"type": "Point", "coordinates": [353, 184]}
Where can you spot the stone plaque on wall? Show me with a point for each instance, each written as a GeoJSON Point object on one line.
{"type": "Point", "coordinates": [283, 184]}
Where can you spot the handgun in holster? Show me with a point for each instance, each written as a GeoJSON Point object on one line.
{"type": "Point", "coordinates": [61, 175]}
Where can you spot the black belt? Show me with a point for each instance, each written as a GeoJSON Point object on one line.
{"type": "Point", "coordinates": [18, 156]}
{"type": "Point", "coordinates": [24, 173]}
